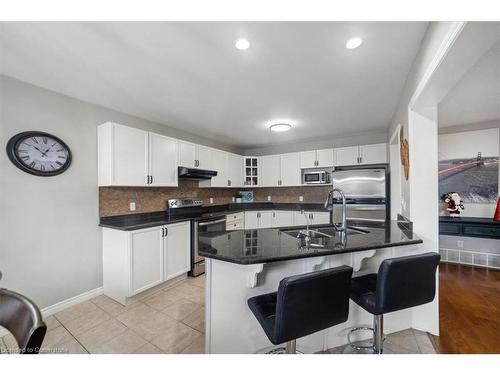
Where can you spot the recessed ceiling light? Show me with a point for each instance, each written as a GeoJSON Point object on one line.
{"type": "Point", "coordinates": [282, 127]}
{"type": "Point", "coordinates": [353, 43]}
{"type": "Point", "coordinates": [242, 44]}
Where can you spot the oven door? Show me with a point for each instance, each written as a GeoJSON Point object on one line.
{"type": "Point", "coordinates": [206, 229]}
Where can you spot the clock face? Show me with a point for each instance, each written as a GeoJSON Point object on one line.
{"type": "Point", "coordinates": [39, 153]}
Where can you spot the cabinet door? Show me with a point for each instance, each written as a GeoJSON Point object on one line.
{"type": "Point", "coordinates": [265, 219]}
{"type": "Point", "coordinates": [346, 155]}
{"type": "Point", "coordinates": [235, 170]}
{"type": "Point", "coordinates": [373, 154]}
{"type": "Point", "coordinates": [146, 259]}
{"type": "Point", "coordinates": [219, 164]}
{"type": "Point", "coordinates": [270, 170]}
{"type": "Point", "coordinates": [204, 157]}
{"type": "Point", "coordinates": [282, 219]}
{"type": "Point", "coordinates": [187, 154]}
{"type": "Point", "coordinates": [308, 159]}
{"type": "Point", "coordinates": [299, 218]}
{"type": "Point", "coordinates": [325, 158]}
{"type": "Point", "coordinates": [163, 155]}
{"type": "Point", "coordinates": [320, 218]}
{"type": "Point", "coordinates": [177, 249]}
{"type": "Point", "coordinates": [251, 220]}
{"type": "Point", "coordinates": [130, 156]}
{"type": "Point", "coordinates": [290, 169]}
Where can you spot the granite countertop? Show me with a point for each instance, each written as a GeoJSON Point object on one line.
{"type": "Point", "coordinates": [273, 245]}
{"type": "Point", "coordinates": [468, 220]}
{"type": "Point", "coordinates": [153, 219]}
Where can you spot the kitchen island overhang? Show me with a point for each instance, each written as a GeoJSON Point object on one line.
{"type": "Point", "coordinates": [244, 263]}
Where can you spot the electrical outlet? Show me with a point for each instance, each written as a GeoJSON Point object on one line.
{"type": "Point", "coordinates": [301, 198]}
{"type": "Point", "coordinates": [234, 199]}
{"type": "Point", "coordinates": [211, 200]}
{"type": "Point", "coordinates": [269, 198]}
{"type": "Point", "coordinates": [460, 243]}
{"type": "Point", "coordinates": [132, 206]}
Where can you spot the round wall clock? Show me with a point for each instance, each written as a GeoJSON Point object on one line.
{"type": "Point", "coordinates": [39, 153]}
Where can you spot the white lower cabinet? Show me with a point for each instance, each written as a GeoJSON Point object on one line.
{"type": "Point", "coordinates": [282, 219]}
{"type": "Point", "coordinates": [134, 261]}
{"type": "Point", "coordinates": [258, 219]}
{"type": "Point", "coordinates": [315, 218]}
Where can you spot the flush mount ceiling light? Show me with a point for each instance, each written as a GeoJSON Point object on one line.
{"type": "Point", "coordinates": [242, 44]}
{"type": "Point", "coordinates": [281, 127]}
{"type": "Point", "coordinates": [353, 43]}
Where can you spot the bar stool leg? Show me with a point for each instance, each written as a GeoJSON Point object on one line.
{"type": "Point", "coordinates": [378, 333]}
{"type": "Point", "coordinates": [291, 347]}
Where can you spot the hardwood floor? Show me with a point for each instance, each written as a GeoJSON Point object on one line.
{"type": "Point", "coordinates": [469, 300]}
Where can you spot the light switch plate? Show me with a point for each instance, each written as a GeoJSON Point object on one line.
{"type": "Point", "coordinates": [132, 206]}
{"type": "Point", "coordinates": [269, 198]}
{"type": "Point", "coordinates": [211, 200]}
{"type": "Point", "coordinates": [301, 198]}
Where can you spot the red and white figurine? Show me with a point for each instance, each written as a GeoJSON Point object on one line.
{"type": "Point", "coordinates": [454, 202]}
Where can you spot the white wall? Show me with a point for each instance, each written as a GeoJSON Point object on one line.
{"type": "Point", "coordinates": [50, 244]}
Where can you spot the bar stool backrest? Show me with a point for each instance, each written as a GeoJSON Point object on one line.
{"type": "Point", "coordinates": [23, 319]}
{"type": "Point", "coordinates": [406, 282]}
{"type": "Point", "coordinates": [312, 302]}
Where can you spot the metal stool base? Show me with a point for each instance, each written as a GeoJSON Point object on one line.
{"type": "Point", "coordinates": [349, 349]}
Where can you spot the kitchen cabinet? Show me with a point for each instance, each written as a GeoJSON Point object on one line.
{"type": "Point", "coordinates": [373, 154]}
{"type": "Point", "coordinates": [234, 170]}
{"type": "Point", "coordinates": [134, 261]}
{"type": "Point", "coordinates": [251, 169]}
{"type": "Point", "coordinates": [364, 154]}
{"type": "Point", "coordinates": [204, 157]}
{"type": "Point", "coordinates": [282, 219]}
{"type": "Point", "coordinates": [280, 170]}
{"type": "Point", "coordinates": [187, 155]}
{"type": "Point", "coordinates": [176, 247]}
{"type": "Point", "coordinates": [132, 157]}
{"type": "Point", "coordinates": [258, 219]}
{"type": "Point", "coordinates": [162, 160]}
{"type": "Point", "coordinates": [219, 163]}
{"type": "Point", "coordinates": [316, 158]}
{"type": "Point", "coordinates": [270, 170]}
{"type": "Point", "coordinates": [315, 218]}
{"type": "Point", "coordinates": [290, 169]}
{"type": "Point", "coordinates": [146, 259]}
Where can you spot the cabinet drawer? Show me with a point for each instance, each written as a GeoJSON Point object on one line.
{"type": "Point", "coordinates": [239, 216]}
{"type": "Point", "coordinates": [491, 231]}
{"type": "Point", "coordinates": [450, 228]}
{"type": "Point", "coordinates": [235, 225]}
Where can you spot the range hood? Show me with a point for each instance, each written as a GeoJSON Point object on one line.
{"type": "Point", "coordinates": [196, 174]}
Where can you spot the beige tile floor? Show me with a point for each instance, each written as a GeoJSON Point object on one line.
{"type": "Point", "coordinates": [170, 320]}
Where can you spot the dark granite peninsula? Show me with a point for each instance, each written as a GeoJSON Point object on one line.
{"type": "Point", "coordinates": [279, 244]}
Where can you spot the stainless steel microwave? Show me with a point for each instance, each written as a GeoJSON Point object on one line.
{"type": "Point", "coordinates": [316, 177]}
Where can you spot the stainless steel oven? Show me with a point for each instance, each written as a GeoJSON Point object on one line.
{"type": "Point", "coordinates": [207, 227]}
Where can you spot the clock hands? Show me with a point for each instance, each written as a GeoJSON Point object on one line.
{"type": "Point", "coordinates": [43, 153]}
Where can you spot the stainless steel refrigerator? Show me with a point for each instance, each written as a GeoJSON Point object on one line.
{"type": "Point", "coordinates": [366, 189]}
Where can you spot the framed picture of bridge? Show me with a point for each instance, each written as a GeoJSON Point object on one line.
{"type": "Point", "coordinates": [468, 165]}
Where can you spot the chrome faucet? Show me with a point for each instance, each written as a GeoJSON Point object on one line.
{"type": "Point", "coordinates": [305, 235]}
{"type": "Point", "coordinates": [329, 200]}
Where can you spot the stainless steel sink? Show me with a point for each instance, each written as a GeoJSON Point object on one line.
{"type": "Point", "coordinates": [326, 232]}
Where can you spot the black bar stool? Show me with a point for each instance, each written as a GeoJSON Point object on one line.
{"type": "Point", "coordinates": [401, 283]}
{"type": "Point", "coordinates": [303, 304]}
{"type": "Point", "coordinates": [23, 319]}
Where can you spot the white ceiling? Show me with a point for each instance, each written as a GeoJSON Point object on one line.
{"type": "Point", "coordinates": [476, 98]}
{"type": "Point", "coordinates": [189, 75]}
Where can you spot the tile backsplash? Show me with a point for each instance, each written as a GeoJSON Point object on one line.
{"type": "Point", "coordinates": [116, 200]}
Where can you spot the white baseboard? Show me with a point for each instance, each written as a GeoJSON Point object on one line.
{"type": "Point", "coordinates": [51, 310]}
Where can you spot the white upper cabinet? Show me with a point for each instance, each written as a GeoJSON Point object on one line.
{"type": "Point", "coordinates": [308, 159]}
{"type": "Point", "coordinates": [234, 170]}
{"type": "Point", "coordinates": [365, 154]}
{"type": "Point", "coordinates": [324, 158]}
{"type": "Point", "coordinates": [204, 157]}
{"type": "Point", "coordinates": [270, 170]}
{"type": "Point", "coordinates": [316, 158]}
{"type": "Point", "coordinates": [163, 156]}
{"type": "Point", "coordinates": [122, 155]}
{"type": "Point", "coordinates": [347, 156]}
{"type": "Point", "coordinates": [373, 154]}
{"type": "Point", "coordinates": [290, 169]}
{"type": "Point", "coordinates": [219, 163]}
{"type": "Point", "coordinates": [187, 154]}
